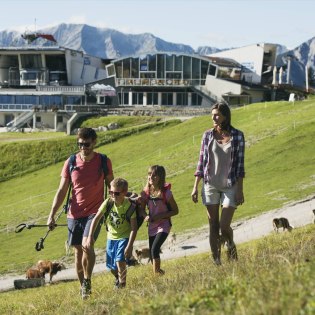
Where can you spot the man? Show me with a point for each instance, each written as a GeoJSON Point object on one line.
{"type": "Point", "coordinates": [87, 179]}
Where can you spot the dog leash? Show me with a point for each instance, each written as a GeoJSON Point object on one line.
{"type": "Point", "coordinates": [19, 228]}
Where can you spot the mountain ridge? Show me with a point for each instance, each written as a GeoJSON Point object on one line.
{"type": "Point", "coordinates": [112, 44]}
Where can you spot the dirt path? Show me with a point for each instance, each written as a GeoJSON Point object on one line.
{"type": "Point", "coordinates": [197, 241]}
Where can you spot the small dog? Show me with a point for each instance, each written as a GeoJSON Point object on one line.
{"type": "Point", "coordinates": [46, 266]}
{"type": "Point", "coordinates": [172, 242]}
{"type": "Point", "coordinates": [143, 253]}
{"type": "Point", "coordinates": [34, 273]}
{"type": "Point", "coordinates": [281, 223]}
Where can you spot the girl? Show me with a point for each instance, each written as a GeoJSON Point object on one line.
{"type": "Point", "coordinates": [158, 197]}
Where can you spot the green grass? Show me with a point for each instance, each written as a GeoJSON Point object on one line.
{"type": "Point", "coordinates": [274, 276]}
{"type": "Point", "coordinates": [279, 169]}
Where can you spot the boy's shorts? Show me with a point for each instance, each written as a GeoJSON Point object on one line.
{"type": "Point", "coordinates": [79, 228]}
{"type": "Point", "coordinates": [214, 196]}
{"type": "Point", "coordinates": [115, 251]}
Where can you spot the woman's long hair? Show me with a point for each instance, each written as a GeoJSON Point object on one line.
{"type": "Point", "coordinates": [224, 109]}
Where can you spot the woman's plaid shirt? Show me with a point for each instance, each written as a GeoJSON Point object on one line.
{"type": "Point", "coordinates": [237, 169]}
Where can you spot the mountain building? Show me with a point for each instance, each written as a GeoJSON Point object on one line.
{"type": "Point", "coordinates": [52, 86]}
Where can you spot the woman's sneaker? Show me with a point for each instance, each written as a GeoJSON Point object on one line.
{"type": "Point", "coordinates": [231, 251]}
{"type": "Point", "coordinates": [86, 289]}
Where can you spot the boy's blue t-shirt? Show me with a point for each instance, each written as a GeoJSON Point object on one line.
{"type": "Point", "coordinates": [118, 226]}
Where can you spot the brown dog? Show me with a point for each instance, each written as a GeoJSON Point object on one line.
{"type": "Point", "coordinates": [143, 253]}
{"type": "Point", "coordinates": [34, 273]}
{"type": "Point", "coordinates": [281, 223]}
{"type": "Point", "coordinates": [46, 266]}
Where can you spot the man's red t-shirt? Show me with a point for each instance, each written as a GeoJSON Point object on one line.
{"type": "Point", "coordinates": [88, 185]}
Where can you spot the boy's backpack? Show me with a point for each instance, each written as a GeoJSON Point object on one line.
{"type": "Point", "coordinates": [134, 206]}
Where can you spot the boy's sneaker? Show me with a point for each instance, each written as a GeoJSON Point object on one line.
{"type": "Point", "coordinates": [86, 289]}
{"type": "Point", "coordinates": [232, 252]}
{"type": "Point", "coordinates": [116, 283]}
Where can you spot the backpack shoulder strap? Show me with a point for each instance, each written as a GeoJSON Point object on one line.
{"type": "Point", "coordinates": [109, 206]}
{"type": "Point", "coordinates": [104, 163]}
{"type": "Point", "coordinates": [131, 210]}
{"type": "Point", "coordinates": [72, 163]}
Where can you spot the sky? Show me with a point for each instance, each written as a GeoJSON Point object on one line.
{"type": "Point", "coordinates": [215, 23]}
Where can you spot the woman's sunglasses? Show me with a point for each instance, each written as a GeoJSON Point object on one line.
{"type": "Point", "coordinates": [115, 193]}
{"type": "Point", "coordinates": [84, 144]}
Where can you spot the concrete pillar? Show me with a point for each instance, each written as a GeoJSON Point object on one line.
{"type": "Point", "coordinates": [189, 99]}
{"type": "Point", "coordinates": [159, 98]}
{"type": "Point", "coordinates": [130, 98]}
{"type": "Point", "coordinates": [34, 120]}
{"type": "Point", "coordinates": [174, 98]}
{"type": "Point", "coordinates": [55, 121]}
{"type": "Point", "coordinates": [145, 99]}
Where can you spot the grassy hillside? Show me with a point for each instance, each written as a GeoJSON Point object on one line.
{"type": "Point", "coordinates": [275, 276]}
{"type": "Point", "coordinates": [279, 168]}
{"type": "Point", "coordinates": [27, 152]}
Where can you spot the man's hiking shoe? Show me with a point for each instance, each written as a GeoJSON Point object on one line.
{"type": "Point", "coordinates": [232, 252]}
{"type": "Point", "coordinates": [86, 289]}
{"type": "Point", "coordinates": [119, 285]}
{"type": "Point", "coordinates": [217, 261]}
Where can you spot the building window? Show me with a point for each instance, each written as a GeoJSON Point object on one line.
{"type": "Point", "coordinates": [160, 66]}
{"type": "Point", "coordinates": [167, 98]}
{"type": "Point", "coordinates": [144, 64]}
{"type": "Point", "coordinates": [196, 99]}
{"type": "Point", "coordinates": [212, 70]}
{"type": "Point", "coordinates": [137, 98]}
{"type": "Point", "coordinates": [152, 98]}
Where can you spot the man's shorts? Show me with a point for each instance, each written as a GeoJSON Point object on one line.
{"type": "Point", "coordinates": [115, 251]}
{"type": "Point", "coordinates": [213, 196]}
{"type": "Point", "coordinates": [79, 228]}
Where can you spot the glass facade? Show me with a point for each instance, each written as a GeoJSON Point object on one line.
{"type": "Point", "coordinates": [46, 101]}
{"type": "Point", "coordinates": [161, 79]}
{"type": "Point", "coordinates": [160, 67]}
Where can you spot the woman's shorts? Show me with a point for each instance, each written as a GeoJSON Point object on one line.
{"type": "Point", "coordinates": [214, 196]}
{"type": "Point", "coordinates": [79, 228]}
{"type": "Point", "coordinates": [115, 251]}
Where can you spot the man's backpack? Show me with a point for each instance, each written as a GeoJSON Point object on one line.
{"type": "Point", "coordinates": [134, 206]}
{"type": "Point", "coordinates": [72, 163]}
{"type": "Point", "coordinates": [72, 167]}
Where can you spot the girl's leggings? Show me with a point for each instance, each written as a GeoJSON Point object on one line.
{"type": "Point", "coordinates": [155, 243]}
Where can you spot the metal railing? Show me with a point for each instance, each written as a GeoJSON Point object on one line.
{"type": "Point", "coordinates": [60, 88]}
{"type": "Point", "coordinates": [19, 121]}
{"type": "Point", "coordinates": [18, 107]}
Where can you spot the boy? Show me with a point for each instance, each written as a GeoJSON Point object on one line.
{"type": "Point", "coordinates": [121, 233]}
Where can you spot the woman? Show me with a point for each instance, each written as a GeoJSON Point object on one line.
{"type": "Point", "coordinates": [221, 166]}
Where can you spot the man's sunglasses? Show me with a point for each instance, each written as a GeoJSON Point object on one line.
{"type": "Point", "coordinates": [115, 193]}
{"type": "Point", "coordinates": [84, 144]}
